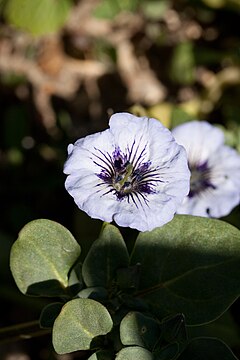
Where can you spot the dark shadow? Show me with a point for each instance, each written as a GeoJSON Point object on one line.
{"type": "Point", "coordinates": [49, 288]}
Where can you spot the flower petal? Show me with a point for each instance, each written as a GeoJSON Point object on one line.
{"type": "Point", "coordinates": [83, 154]}
{"type": "Point", "coordinates": [89, 196]}
{"type": "Point", "coordinates": [223, 166]}
{"type": "Point", "coordinates": [199, 138]}
{"type": "Point", "coordinates": [133, 173]}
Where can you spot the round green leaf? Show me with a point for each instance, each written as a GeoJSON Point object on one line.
{"type": "Point", "coordinates": [191, 266]}
{"type": "Point", "coordinates": [39, 16]}
{"type": "Point", "coordinates": [78, 323]}
{"type": "Point", "coordinates": [42, 256]}
{"type": "Point", "coordinates": [139, 329]}
{"type": "Point", "coordinates": [107, 254]}
{"type": "Point", "coordinates": [207, 349]}
{"type": "Point", "coordinates": [133, 353]}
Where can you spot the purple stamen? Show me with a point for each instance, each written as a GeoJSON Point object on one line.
{"type": "Point", "coordinates": [130, 175]}
{"type": "Point", "coordinates": [200, 180]}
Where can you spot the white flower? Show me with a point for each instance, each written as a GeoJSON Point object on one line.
{"type": "Point", "coordinates": [215, 170]}
{"type": "Point", "coordinates": [133, 173]}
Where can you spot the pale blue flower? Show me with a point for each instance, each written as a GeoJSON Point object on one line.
{"type": "Point", "coordinates": [133, 173]}
{"type": "Point", "coordinates": [215, 170]}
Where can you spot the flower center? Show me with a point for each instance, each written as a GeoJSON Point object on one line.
{"type": "Point", "coordinates": [127, 175]}
{"type": "Point", "coordinates": [200, 179]}
{"type": "Point", "coordinates": [123, 181]}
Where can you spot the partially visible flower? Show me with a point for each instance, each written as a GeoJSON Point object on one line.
{"type": "Point", "coordinates": [215, 170]}
{"type": "Point", "coordinates": [133, 173]}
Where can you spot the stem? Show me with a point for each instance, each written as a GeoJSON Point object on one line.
{"type": "Point", "coordinates": [22, 331]}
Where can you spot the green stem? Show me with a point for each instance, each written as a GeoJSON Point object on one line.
{"type": "Point", "coordinates": [22, 331]}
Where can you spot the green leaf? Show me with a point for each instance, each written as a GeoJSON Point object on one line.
{"type": "Point", "coordinates": [139, 329]}
{"type": "Point", "coordinates": [49, 314]}
{"type": "Point", "coordinates": [224, 328]}
{"type": "Point", "coordinates": [95, 293]}
{"type": "Point", "coordinates": [207, 349]}
{"type": "Point", "coordinates": [133, 353]}
{"type": "Point", "coordinates": [168, 352]}
{"type": "Point", "coordinates": [128, 278]}
{"type": "Point", "coordinates": [191, 266]}
{"type": "Point", "coordinates": [173, 329]}
{"type": "Point", "coordinates": [107, 254]}
{"type": "Point", "coordinates": [154, 10]}
{"type": "Point", "coordinates": [133, 303]}
{"type": "Point", "coordinates": [216, 4]}
{"type": "Point", "coordinates": [38, 17]}
{"type": "Point", "coordinates": [108, 9]}
{"type": "Point", "coordinates": [42, 256]}
{"type": "Point", "coordinates": [78, 323]}
{"type": "Point", "coordinates": [2, 4]}
{"type": "Point", "coordinates": [75, 281]}
{"type": "Point", "coordinates": [179, 117]}
{"type": "Point", "coordinates": [183, 63]}
{"type": "Point", "coordinates": [101, 355]}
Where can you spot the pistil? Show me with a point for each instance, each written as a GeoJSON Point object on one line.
{"type": "Point", "coordinates": [123, 182]}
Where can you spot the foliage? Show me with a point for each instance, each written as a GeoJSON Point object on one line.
{"type": "Point", "coordinates": [183, 274]}
{"type": "Point", "coordinates": [50, 250]}
{"type": "Point", "coordinates": [109, 9]}
{"type": "Point", "coordinates": [39, 16]}
{"type": "Point", "coordinates": [62, 72]}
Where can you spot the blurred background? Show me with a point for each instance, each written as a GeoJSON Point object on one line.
{"type": "Point", "coordinates": [65, 67]}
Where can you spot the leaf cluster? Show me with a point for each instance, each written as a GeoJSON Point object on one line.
{"type": "Point", "coordinates": [142, 304]}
